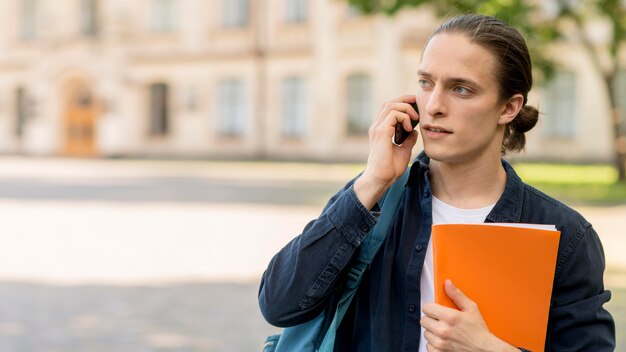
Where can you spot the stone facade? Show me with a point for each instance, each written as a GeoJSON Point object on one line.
{"type": "Point", "coordinates": [193, 78]}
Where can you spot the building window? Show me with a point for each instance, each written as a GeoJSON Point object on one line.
{"type": "Point", "coordinates": [359, 104]}
{"type": "Point", "coordinates": [232, 108]}
{"type": "Point", "coordinates": [294, 107]}
{"type": "Point", "coordinates": [560, 106]}
{"type": "Point", "coordinates": [296, 11]}
{"type": "Point", "coordinates": [620, 97]}
{"type": "Point", "coordinates": [163, 19]}
{"type": "Point", "coordinates": [28, 19]}
{"type": "Point", "coordinates": [21, 111]}
{"type": "Point", "coordinates": [159, 109]}
{"type": "Point", "coordinates": [89, 17]}
{"type": "Point", "coordinates": [235, 13]}
{"type": "Point", "coordinates": [190, 98]}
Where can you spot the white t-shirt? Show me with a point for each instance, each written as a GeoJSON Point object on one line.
{"type": "Point", "coordinates": [444, 214]}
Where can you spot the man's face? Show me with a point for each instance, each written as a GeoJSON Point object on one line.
{"type": "Point", "coordinates": [458, 100]}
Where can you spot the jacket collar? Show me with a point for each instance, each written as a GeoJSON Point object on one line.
{"type": "Point", "coordinates": [507, 209]}
{"type": "Point", "coordinates": [509, 206]}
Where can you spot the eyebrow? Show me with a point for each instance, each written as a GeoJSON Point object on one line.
{"type": "Point", "coordinates": [452, 80]}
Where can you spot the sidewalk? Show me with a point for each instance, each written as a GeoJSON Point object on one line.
{"type": "Point", "coordinates": [131, 222]}
{"type": "Point", "coordinates": [116, 243]}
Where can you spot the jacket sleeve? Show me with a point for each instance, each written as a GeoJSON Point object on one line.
{"type": "Point", "coordinates": [578, 321]}
{"type": "Point", "coordinates": [302, 275]}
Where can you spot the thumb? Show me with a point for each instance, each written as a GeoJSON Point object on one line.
{"type": "Point", "coordinates": [458, 297]}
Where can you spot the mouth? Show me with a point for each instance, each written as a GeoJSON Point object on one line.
{"type": "Point", "coordinates": [436, 129]}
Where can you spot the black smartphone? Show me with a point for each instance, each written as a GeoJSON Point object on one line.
{"type": "Point", "coordinates": [401, 134]}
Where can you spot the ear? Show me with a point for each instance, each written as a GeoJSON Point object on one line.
{"type": "Point", "coordinates": [511, 108]}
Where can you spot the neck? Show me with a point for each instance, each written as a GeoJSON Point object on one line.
{"type": "Point", "coordinates": [468, 185]}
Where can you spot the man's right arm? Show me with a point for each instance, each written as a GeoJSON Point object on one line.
{"type": "Point", "coordinates": [302, 276]}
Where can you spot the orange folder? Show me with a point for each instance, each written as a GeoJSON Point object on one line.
{"type": "Point", "coordinates": [507, 269]}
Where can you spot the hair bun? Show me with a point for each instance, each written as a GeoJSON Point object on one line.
{"type": "Point", "coordinates": [526, 119]}
{"type": "Point", "coordinates": [514, 138]}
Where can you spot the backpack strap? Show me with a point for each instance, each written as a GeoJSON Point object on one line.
{"type": "Point", "coordinates": [367, 250]}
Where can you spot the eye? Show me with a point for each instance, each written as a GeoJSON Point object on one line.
{"type": "Point", "coordinates": [462, 90]}
{"type": "Point", "coordinates": [424, 83]}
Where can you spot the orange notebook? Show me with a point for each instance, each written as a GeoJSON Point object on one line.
{"type": "Point", "coordinates": [507, 269]}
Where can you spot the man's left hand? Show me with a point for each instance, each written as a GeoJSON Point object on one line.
{"type": "Point", "coordinates": [448, 329]}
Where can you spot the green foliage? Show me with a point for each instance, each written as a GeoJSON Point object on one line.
{"type": "Point", "coordinates": [576, 184]}
{"type": "Point", "coordinates": [538, 28]}
{"type": "Point", "coordinates": [567, 174]}
{"type": "Point", "coordinates": [615, 11]}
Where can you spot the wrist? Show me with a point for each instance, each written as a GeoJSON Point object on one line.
{"type": "Point", "coordinates": [494, 344]}
{"type": "Point", "coordinates": [497, 345]}
{"type": "Point", "coordinates": [369, 191]}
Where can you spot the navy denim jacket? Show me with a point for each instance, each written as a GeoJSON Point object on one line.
{"type": "Point", "coordinates": [308, 273]}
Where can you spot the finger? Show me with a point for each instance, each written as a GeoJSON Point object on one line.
{"type": "Point", "coordinates": [432, 310]}
{"type": "Point", "coordinates": [399, 106]}
{"type": "Point", "coordinates": [438, 312]}
{"type": "Point", "coordinates": [458, 297]}
{"type": "Point", "coordinates": [433, 325]}
{"type": "Point", "coordinates": [406, 98]}
{"type": "Point", "coordinates": [407, 109]}
{"type": "Point", "coordinates": [414, 116]}
{"type": "Point", "coordinates": [431, 348]}
{"type": "Point", "coordinates": [394, 117]}
{"type": "Point", "coordinates": [387, 128]}
{"type": "Point", "coordinates": [433, 340]}
{"type": "Point", "coordinates": [428, 323]}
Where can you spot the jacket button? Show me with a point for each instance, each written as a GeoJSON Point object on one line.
{"type": "Point", "coordinates": [412, 308]}
{"type": "Point", "coordinates": [363, 227]}
{"type": "Point", "coordinates": [419, 247]}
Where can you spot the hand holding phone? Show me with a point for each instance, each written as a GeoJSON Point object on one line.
{"type": "Point", "coordinates": [401, 134]}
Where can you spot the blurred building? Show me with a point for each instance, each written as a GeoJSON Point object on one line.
{"type": "Point", "coordinates": [282, 79]}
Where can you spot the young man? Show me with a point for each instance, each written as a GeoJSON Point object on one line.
{"type": "Point", "coordinates": [473, 80]}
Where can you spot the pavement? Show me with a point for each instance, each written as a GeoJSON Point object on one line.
{"type": "Point", "coordinates": [152, 255]}
{"type": "Point", "coordinates": [145, 255]}
{"type": "Point", "coordinates": [119, 221]}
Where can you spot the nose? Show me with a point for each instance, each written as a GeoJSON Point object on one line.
{"type": "Point", "coordinates": [436, 104]}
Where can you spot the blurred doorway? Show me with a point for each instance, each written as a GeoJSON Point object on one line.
{"type": "Point", "coordinates": [80, 120]}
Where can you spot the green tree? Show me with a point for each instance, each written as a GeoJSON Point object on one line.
{"type": "Point", "coordinates": [541, 26]}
